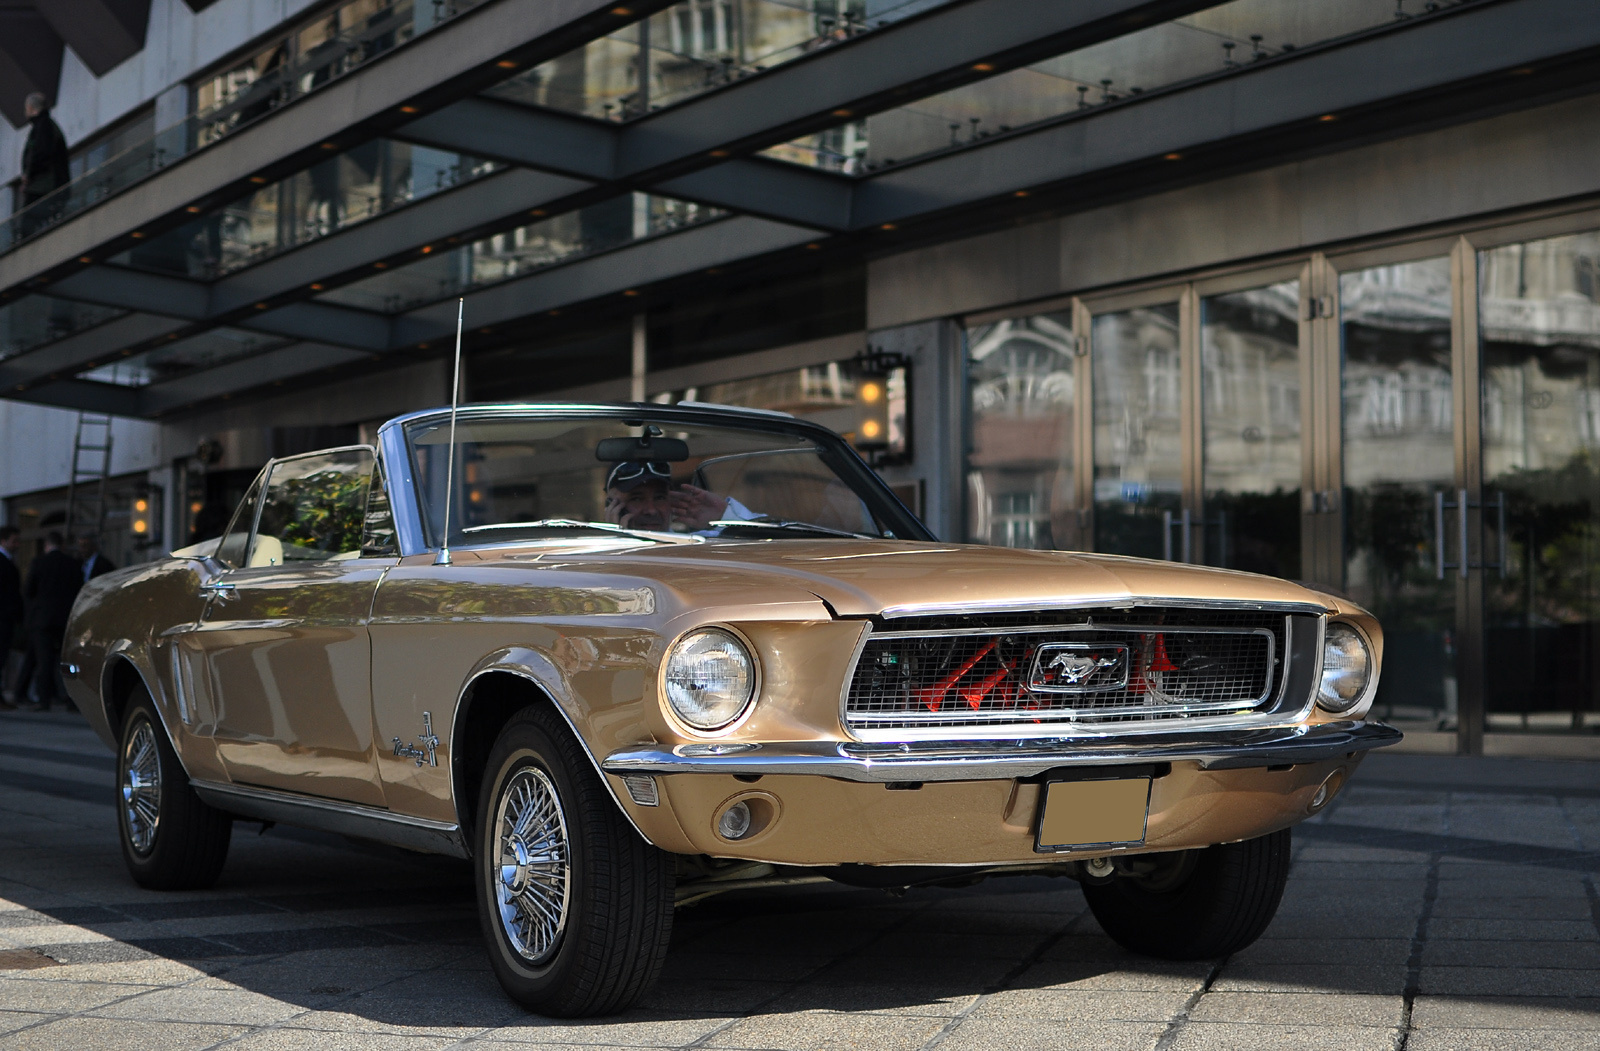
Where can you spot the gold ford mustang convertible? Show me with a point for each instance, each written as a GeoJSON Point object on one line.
{"type": "Point", "coordinates": [625, 657]}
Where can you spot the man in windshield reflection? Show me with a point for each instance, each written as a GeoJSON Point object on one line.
{"type": "Point", "coordinates": [640, 495]}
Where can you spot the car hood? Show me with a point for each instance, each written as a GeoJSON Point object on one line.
{"type": "Point", "coordinates": [868, 577]}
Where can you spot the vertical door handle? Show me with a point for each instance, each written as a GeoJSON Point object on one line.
{"type": "Point", "coordinates": [1438, 533]}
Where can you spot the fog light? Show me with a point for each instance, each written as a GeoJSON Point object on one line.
{"type": "Point", "coordinates": [734, 822]}
{"type": "Point", "coordinates": [1325, 791]}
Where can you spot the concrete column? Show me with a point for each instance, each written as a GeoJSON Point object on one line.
{"type": "Point", "coordinates": [641, 337]}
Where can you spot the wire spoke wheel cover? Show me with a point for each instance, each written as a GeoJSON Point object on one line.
{"type": "Point", "coordinates": [141, 788]}
{"type": "Point", "coordinates": [533, 880]}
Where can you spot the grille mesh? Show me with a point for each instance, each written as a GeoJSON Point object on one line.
{"type": "Point", "coordinates": [1088, 667]}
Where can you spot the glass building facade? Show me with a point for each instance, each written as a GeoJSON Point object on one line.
{"type": "Point", "coordinates": [1461, 394]}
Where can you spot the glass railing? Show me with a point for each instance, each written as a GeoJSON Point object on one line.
{"type": "Point", "coordinates": [360, 184]}
{"type": "Point", "coordinates": [548, 242]}
{"type": "Point", "coordinates": [1213, 42]}
{"type": "Point", "coordinates": [315, 53]}
{"type": "Point", "coordinates": [35, 320]}
{"type": "Point", "coordinates": [694, 46]}
{"type": "Point", "coordinates": [216, 347]}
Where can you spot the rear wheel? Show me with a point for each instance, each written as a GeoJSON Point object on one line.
{"type": "Point", "coordinates": [1195, 904]}
{"type": "Point", "coordinates": [171, 840]}
{"type": "Point", "coordinates": [576, 907]}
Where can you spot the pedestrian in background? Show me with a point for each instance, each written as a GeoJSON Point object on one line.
{"type": "Point", "coordinates": [10, 604]}
{"type": "Point", "coordinates": [46, 164]}
{"type": "Point", "coordinates": [53, 582]}
{"type": "Point", "coordinates": [93, 562]}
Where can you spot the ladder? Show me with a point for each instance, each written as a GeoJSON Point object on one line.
{"type": "Point", "coordinates": [91, 466]}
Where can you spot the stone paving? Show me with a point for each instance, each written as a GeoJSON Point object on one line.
{"type": "Point", "coordinates": [1439, 904]}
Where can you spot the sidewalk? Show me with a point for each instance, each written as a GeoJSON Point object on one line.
{"type": "Point", "coordinates": [1440, 903]}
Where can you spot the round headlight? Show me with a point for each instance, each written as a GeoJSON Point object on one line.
{"type": "Point", "coordinates": [710, 679]}
{"type": "Point", "coordinates": [1346, 668]}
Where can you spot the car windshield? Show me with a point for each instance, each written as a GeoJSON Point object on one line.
{"type": "Point", "coordinates": [521, 478]}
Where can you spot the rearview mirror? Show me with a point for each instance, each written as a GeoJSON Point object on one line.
{"type": "Point", "coordinates": [648, 447]}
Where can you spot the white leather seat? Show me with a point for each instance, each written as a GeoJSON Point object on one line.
{"type": "Point", "coordinates": [266, 551]}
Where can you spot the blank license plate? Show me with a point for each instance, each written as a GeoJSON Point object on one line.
{"type": "Point", "coordinates": [1092, 813]}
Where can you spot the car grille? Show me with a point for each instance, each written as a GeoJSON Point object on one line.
{"type": "Point", "coordinates": [1083, 667]}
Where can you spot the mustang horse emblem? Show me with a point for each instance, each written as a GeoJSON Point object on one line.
{"type": "Point", "coordinates": [1075, 668]}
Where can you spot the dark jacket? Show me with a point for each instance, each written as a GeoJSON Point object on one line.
{"type": "Point", "coordinates": [10, 597]}
{"type": "Point", "coordinates": [53, 582]}
{"type": "Point", "coordinates": [102, 565]}
{"type": "Point", "coordinates": [46, 163]}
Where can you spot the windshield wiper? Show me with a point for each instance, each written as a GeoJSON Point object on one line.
{"type": "Point", "coordinates": [569, 523]}
{"type": "Point", "coordinates": [781, 523]}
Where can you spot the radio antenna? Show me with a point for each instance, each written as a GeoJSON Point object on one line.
{"type": "Point", "coordinates": [443, 558]}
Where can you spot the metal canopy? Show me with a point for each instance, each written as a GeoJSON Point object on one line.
{"type": "Point", "coordinates": [699, 151]}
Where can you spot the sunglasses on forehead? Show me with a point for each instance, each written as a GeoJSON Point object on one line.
{"type": "Point", "coordinates": [633, 470]}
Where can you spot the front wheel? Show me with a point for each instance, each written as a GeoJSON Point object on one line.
{"type": "Point", "coordinates": [576, 907]}
{"type": "Point", "coordinates": [1195, 904]}
{"type": "Point", "coordinates": [171, 840]}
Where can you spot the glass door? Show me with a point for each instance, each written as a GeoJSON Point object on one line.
{"type": "Point", "coordinates": [1250, 363]}
{"type": "Point", "coordinates": [1022, 448]}
{"type": "Point", "coordinates": [1138, 433]}
{"type": "Point", "coordinates": [1539, 330]}
{"type": "Point", "coordinates": [1401, 547]}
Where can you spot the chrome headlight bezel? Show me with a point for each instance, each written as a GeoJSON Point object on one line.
{"type": "Point", "coordinates": [679, 708]}
{"type": "Point", "coordinates": [1337, 639]}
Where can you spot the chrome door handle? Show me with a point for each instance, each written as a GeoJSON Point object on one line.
{"type": "Point", "coordinates": [219, 590]}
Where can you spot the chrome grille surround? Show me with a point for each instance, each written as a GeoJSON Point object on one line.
{"type": "Point", "coordinates": [1116, 671]}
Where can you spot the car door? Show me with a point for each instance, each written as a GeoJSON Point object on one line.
{"type": "Point", "coordinates": [283, 642]}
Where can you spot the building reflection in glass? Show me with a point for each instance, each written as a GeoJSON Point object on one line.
{"type": "Point", "coordinates": [1398, 453]}
{"type": "Point", "coordinates": [1021, 386]}
{"type": "Point", "coordinates": [1539, 327]}
{"type": "Point", "coordinates": [1137, 432]}
{"type": "Point", "coordinates": [1250, 390]}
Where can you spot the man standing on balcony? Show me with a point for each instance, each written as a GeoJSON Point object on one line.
{"type": "Point", "coordinates": [45, 165]}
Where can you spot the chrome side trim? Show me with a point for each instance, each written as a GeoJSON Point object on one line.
{"type": "Point", "coordinates": [326, 815]}
{"type": "Point", "coordinates": [978, 609]}
{"type": "Point", "coordinates": [1005, 760]}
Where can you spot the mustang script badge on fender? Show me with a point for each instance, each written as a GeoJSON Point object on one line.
{"type": "Point", "coordinates": [1079, 667]}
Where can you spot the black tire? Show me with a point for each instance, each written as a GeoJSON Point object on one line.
{"type": "Point", "coordinates": [186, 844]}
{"type": "Point", "coordinates": [607, 946]}
{"type": "Point", "coordinates": [1198, 905]}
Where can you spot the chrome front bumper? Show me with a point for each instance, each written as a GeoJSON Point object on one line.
{"type": "Point", "coordinates": [1000, 760]}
